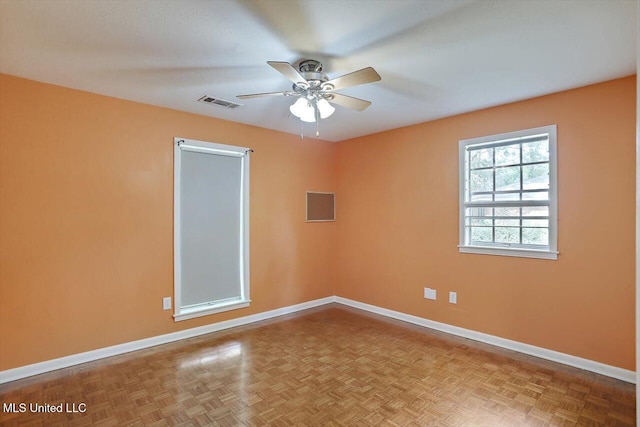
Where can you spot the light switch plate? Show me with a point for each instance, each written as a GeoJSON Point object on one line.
{"type": "Point", "coordinates": [453, 297]}
{"type": "Point", "coordinates": [429, 293]}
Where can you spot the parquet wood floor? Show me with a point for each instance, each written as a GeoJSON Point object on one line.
{"type": "Point", "coordinates": [329, 366]}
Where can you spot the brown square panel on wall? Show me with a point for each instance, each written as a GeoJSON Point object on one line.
{"type": "Point", "coordinates": [321, 206]}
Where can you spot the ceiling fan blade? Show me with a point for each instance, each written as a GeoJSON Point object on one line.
{"type": "Point", "coordinates": [260, 95]}
{"type": "Point", "coordinates": [288, 71]}
{"type": "Point", "coordinates": [366, 75]}
{"type": "Point", "coordinates": [349, 101]}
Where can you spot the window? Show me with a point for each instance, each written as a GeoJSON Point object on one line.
{"type": "Point", "coordinates": [508, 194]}
{"type": "Point", "coordinates": [211, 228]}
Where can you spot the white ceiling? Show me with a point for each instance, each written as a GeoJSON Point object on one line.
{"type": "Point", "coordinates": [436, 57]}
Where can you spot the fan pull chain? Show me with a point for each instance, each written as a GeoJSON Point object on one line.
{"type": "Point", "coordinates": [301, 132]}
{"type": "Point", "coordinates": [317, 122]}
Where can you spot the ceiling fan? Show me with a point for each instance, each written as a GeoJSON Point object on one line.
{"type": "Point", "coordinates": [316, 92]}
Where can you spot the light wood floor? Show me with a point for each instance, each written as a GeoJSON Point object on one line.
{"type": "Point", "coordinates": [327, 366]}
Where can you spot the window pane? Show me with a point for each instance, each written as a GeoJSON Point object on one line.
{"type": "Point", "coordinates": [481, 234]}
{"type": "Point", "coordinates": [508, 222]}
{"type": "Point", "coordinates": [535, 152]}
{"type": "Point", "coordinates": [537, 195]}
{"type": "Point", "coordinates": [508, 211]}
{"type": "Point", "coordinates": [507, 235]}
{"type": "Point", "coordinates": [508, 196]}
{"type": "Point", "coordinates": [535, 211]}
{"type": "Point", "coordinates": [535, 176]}
{"type": "Point", "coordinates": [481, 158]}
{"type": "Point", "coordinates": [535, 223]}
{"type": "Point", "coordinates": [508, 178]}
{"type": "Point", "coordinates": [508, 155]}
{"type": "Point", "coordinates": [482, 197]}
{"type": "Point", "coordinates": [535, 236]}
{"type": "Point", "coordinates": [479, 212]}
{"type": "Point", "coordinates": [481, 180]}
{"type": "Point", "coordinates": [481, 221]}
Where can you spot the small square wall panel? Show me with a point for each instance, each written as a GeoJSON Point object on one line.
{"type": "Point", "coordinates": [321, 207]}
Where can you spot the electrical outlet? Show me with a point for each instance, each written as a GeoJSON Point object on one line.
{"type": "Point", "coordinates": [429, 293]}
{"type": "Point", "coordinates": [166, 303]}
{"type": "Point", "coordinates": [453, 297]}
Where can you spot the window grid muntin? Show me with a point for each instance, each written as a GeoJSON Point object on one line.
{"type": "Point", "coordinates": [507, 203]}
{"type": "Point", "coordinates": [520, 218]}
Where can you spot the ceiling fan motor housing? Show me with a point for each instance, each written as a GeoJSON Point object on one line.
{"type": "Point", "coordinates": [310, 65]}
{"type": "Point", "coordinates": [311, 70]}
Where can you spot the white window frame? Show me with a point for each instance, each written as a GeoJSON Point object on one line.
{"type": "Point", "coordinates": [497, 249]}
{"type": "Point", "coordinates": [184, 313]}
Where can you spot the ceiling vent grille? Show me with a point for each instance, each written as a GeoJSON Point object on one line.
{"type": "Point", "coordinates": [219, 102]}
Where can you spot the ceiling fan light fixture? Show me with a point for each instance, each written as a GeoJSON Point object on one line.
{"type": "Point", "coordinates": [325, 108]}
{"type": "Point", "coordinates": [298, 107]}
{"type": "Point", "coordinates": [309, 113]}
{"type": "Point", "coordinates": [304, 110]}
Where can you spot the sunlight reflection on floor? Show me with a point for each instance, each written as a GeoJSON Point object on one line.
{"type": "Point", "coordinates": [216, 354]}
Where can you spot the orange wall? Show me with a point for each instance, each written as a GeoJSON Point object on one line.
{"type": "Point", "coordinates": [397, 229]}
{"type": "Point", "coordinates": [86, 220]}
{"type": "Point", "coordinates": [86, 223]}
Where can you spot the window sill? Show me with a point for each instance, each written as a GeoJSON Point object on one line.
{"type": "Point", "coordinates": [513, 252]}
{"type": "Point", "coordinates": [193, 312]}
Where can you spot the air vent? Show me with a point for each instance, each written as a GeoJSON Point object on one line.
{"type": "Point", "coordinates": [220, 102]}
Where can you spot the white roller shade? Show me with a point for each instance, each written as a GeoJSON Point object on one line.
{"type": "Point", "coordinates": [211, 197]}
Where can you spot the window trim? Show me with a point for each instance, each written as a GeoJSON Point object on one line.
{"type": "Point", "coordinates": [204, 309]}
{"type": "Point", "coordinates": [552, 252]}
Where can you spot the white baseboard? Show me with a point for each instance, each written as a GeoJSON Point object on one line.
{"type": "Point", "coordinates": [89, 356]}
{"type": "Point", "coordinates": [543, 353]}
